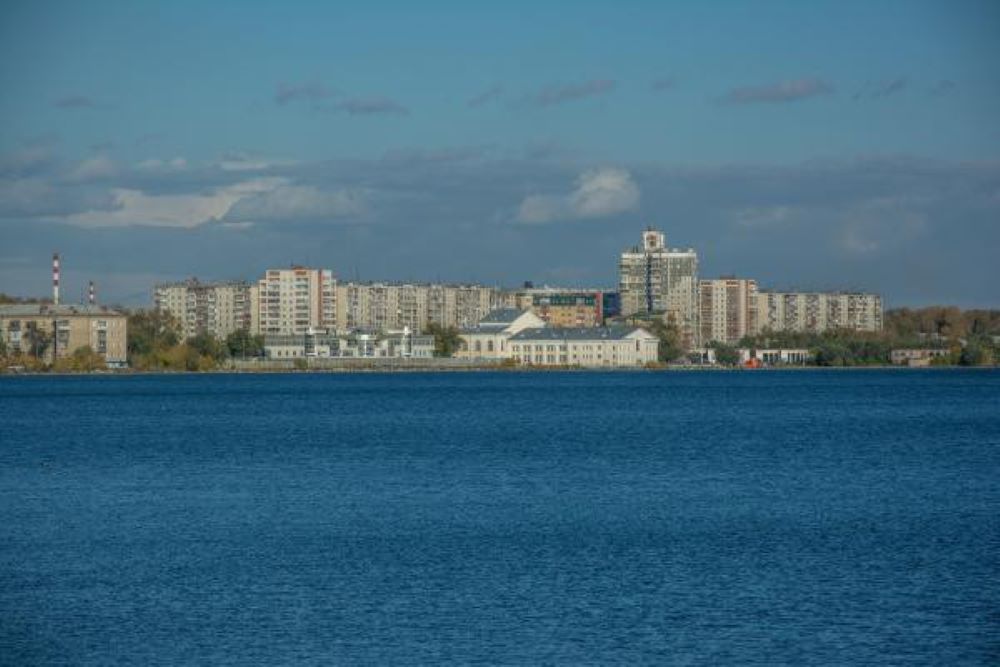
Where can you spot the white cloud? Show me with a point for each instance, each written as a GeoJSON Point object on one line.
{"type": "Point", "coordinates": [303, 202]}
{"type": "Point", "coordinates": [134, 207]}
{"type": "Point", "coordinates": [764, 216]}
{"type": "Point", "coordinates": [93, 169]}
{"type": "Point", "coordinates": [155, 164]}
{"type": "Point", "coordinates": [599, 193]}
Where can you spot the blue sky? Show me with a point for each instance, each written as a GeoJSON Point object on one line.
{"type": "Point", "coordinates": [809, 144]}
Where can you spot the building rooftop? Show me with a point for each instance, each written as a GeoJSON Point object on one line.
{"type": "Point", "coordinates": [50, 310]}
{"type": "Point", "coordinates": [576, 333]}
{"type": "Point", "coordinates": [504, 316]}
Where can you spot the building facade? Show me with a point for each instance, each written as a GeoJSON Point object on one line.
{"type": "Point", "coordinates": [295, 301]}
{"type": "Point", "coordinates": [217, 309]}
{"type": "Point", "coordinates": [728, 309]}
{"type": "Point", "coordinates": [55, 331]}
{"type": "Point", "coordinates": [488, 339]}
{"type": "Point", "coordinates": [563, 307]}
{"type": "Point", "coordinates": [819, 311]}
{"type": "Point", "coordinates": [392, 306]}
{"type": "Point", "coordinates": [359, 344]}
{"type": "Point", "coordinates": [591, 347]}
{"type": "Point", "coordinates": [653, 278]}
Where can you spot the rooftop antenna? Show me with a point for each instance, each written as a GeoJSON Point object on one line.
{"type": "Point", "coordinates": [91, 294]}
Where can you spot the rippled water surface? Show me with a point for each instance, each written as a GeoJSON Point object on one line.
{"type": "Point", "coordinates": [518, 518]}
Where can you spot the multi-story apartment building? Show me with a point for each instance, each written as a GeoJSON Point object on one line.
{"type": "Point", "coordinates": [56, 331]}
{"type": "Point", "coordinates": [654, 278]}
{"type": "Point", "coordinates": [562, 307]}
{"type": "Point", "coordinates": [389, 306]}
{"type": "Point", "coordinates": [217, 309]}
{"type": "Point", "coordinates": [819, 311]}
{"type": "Point", "coordinates": [728, 309]}
{"type": "Point", "coordinates": [295, 301]}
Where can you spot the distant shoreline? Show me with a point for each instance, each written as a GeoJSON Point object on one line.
{"type": "Point", "coordinates": [479, 369]}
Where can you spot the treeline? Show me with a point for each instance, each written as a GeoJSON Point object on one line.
{"type": "Point", "coordinates": [966, 336]}
{"type": "Point", "coordinates": [155, 343]}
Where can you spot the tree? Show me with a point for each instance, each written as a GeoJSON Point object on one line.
{"type": "Point", "coordinates": [977, 352]}
{"type": "Point", "coordinates": [241, 344]}
{"type": "Point", "coordinates": [670, 347]}
{"type": "Point", "coordinates": [38, 340]}
{"type": "Point", "coordinates": [446, 339]}
{"type": "Point", "coordinates": [726, 355]}
{"type": "Point", "coordinates": [150, 331]}
{"type": "Point", "coordinates": [83, 359]}
{"type": "Point", "coordinates": [209, 346]}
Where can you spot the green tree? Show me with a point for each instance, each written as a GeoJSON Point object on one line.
{"type": "Point", "coordinates": [209, 346]}
{"type": "Point", "coordinates": [38, 340]}
{"type": "Point", "coordinates": [977, 352]}
{"type": "Point", "coordinates": [150, 331]}
{"type": "Point", "coordinates": [241, 344]}
{"type": "Point", "coordinates": [446, 339]}
{"type": "Point", "coordinates": [726, 355]}
{"type": "Point", "coordinates": [670, 347]}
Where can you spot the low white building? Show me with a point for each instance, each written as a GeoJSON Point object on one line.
{"type": "Point", "coordinates": [358, 344]}
{"type": "Point", "coordinates": [612, 347]}
{"type": "Point", "coordinates": [916, 356]}
{"type": "Point", "coordinates": [488, 339]}
{"type": "Point", "coordinates": [774, 357]}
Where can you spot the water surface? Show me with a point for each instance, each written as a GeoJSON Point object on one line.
{"type": "Point", "coordinates": [519, 518]}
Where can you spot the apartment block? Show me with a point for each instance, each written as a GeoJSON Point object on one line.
{"type": "Point", "coordinates": [380, 306]}
{"type": "Point", "coordinates": [819, 311]}
{"type": "Point", "coordinates": [217, 309]}
{"type": "Point", "coordinates": [56, 331]}
{"type": "Point", "coordinates": [295, 301]}
{"type": "Point", "coordinates": [562, 307]}
{"type": "Point", "coordinates": [654, 278]}
{"type": "Point", "coordinates": [728, 309]}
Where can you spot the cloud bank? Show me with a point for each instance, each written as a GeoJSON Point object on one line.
{"type": "Point", "coordinates": [599, 193]}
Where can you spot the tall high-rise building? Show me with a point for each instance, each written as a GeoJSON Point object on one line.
{"type": "Point", "coordinates": [295, 301]}
{"type": "Point", "coordinates": [728, 309]}
{"type": "Point", "coordinates": [819, 311]}
{"type": "Point", "coordinates": [654, 278]}
{"type": "Point", "coordinates": [217, 309]}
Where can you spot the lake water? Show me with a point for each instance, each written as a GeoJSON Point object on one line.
{"type": "Point", "coordinates": [802, 517]}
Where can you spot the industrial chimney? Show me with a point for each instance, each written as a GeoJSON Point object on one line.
{"type": "Point", "coordinates": [55, 279]}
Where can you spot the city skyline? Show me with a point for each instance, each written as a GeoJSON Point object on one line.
{"type": "Point", "coordinates": [820, 147]}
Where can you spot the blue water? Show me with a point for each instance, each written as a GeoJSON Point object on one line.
{"type": "Point", "coordinates": [517, 518]}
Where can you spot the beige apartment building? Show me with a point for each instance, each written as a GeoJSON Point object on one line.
{"type": "Point", "coordinates": [654, 278]}
{"type": "Point", "coordinates": [61, 329]}
{"type": "Point", "coordinates": [819, 311]}
{"type": "Point", "coordinates": [218, 309]}
{"type": "Point", "coordinates": [563, 307]}
{"type": "Point", "coordinates": [728, 309]}
{"type": "Point", "coordinates": [381, 306]}
{"type": "Point", "coordinates": [294, 301]}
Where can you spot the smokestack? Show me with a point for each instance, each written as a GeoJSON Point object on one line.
{"type": "Point", "coordinates": [55, 279]}
{"type": "Point", "coordinates": [91, 294]}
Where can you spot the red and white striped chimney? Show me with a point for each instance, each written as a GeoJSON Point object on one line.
{"type": "Point", "coordinates": [91, 294]}
{"type": "Point", "coordinates": [55, 279]}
